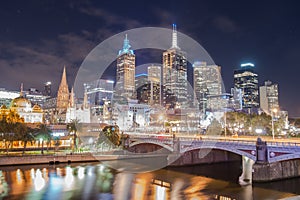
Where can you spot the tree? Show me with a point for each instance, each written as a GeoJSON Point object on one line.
{"type": "Point", "coordinates": [72, 128]}
{"type": "Point", "coordinates": [8, 120]}
{"type": "Point", "coordinates": [24, 133]}
{"type": "Point", "coordinates": [214, 128]}
{"type": "Point", "coordinates": [43, 133]}
{"type": "Point", "coordinates": [56, 143]}
{"type": "Point", "coordinates": [110, 135]}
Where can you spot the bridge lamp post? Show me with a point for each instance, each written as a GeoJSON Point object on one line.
{"type": "Point", "coordinates": [272, 116]}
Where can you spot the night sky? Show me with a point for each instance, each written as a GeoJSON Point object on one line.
{"type": "Point", "coordinates": [37, 38]}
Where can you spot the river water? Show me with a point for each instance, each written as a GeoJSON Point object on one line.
{"type": "Point", "coordinates": [97, 181]}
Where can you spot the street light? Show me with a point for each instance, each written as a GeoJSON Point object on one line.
{"type": "Point", "coordinates": [274, 110]}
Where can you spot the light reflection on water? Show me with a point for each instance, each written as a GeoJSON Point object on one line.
{"type": "Point", "coordinates": [95, 181]}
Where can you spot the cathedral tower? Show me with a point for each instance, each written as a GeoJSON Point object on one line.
{"type": "Point", "coordinates": [63, 94]}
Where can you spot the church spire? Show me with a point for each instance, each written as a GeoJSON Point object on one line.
{"type": "Point", "coordinates": [72, 101]}
{"type": "Point", "coordinates": [85, 101]}
{"type": "Point", "coordinates": [63, 93]}
{"type": "Point", "coordinates": [21, 90]}
{"type": "Point", "coordinates": [174, 37]}
{"type": "Point", "coordinates": [64, 77]}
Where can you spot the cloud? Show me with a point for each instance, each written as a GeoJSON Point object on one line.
{"type": "Point", "coordinates": [110, 19]}
{"type": "Point", "coordinates": [225, 24]}
{"type": "Point", "coordinates": [36, 63]}
{"type": "Point", "coordinates": [164, 17]}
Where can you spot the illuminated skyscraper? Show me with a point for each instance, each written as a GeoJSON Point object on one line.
{"type": "Point", "coordinates": [246, 79]}
{"type": "Point", "coordinates": [154, 77]}
{"type": "Point", "coordinates": [142, 86]}
{"type": "Point", "coordinates": [125, 85]}
{"type": "Point", "coordinates": [174, 75]}
{"type": "Point", "coordinates": [207, 82]}
{"type": "Point", "coordinates": [99, 94]}
{"type": "Point", "coordinates": [47, 89]}
{"type": "Point", "coordinates": [154, 73]}
{"type": "Point", "coordinates": [269, 97]}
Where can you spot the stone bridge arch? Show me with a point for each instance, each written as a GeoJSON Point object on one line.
{"type": "Point", "coordinates": [160, 147]}
{"type": "Point", "coordinates": [251, 154]}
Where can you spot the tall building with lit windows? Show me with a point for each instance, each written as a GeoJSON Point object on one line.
{"type": "Point", "coordinates": [246, 79]}
{"type": "Point", "coordinates": [207, 82]}
{"type": "Point", "coordinates": [99, 95]}
{"type": "Point", "coordinates": [174, 75]}
{"type": "Point", "coordinates": [125, 85]}
{"type": "Point", "coordinates": [47, 88]}
{"type": "Point", "coordinates": [268, 94]}
{"type": "Point", "coordinates": [154, 77]}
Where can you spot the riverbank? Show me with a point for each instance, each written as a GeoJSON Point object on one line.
{"type": "Point", "coordinates": [45, 159]}
{"type": "Point", "coordinates": [70, 158]}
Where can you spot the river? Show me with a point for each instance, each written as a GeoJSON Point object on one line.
{"type": "Point", "coordinates": [97, 181]}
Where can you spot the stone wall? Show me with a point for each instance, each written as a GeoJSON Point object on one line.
{"type": "Point", "coordinates": [42, 159]}
{"type": "Point", "coordinates": [275, 171]}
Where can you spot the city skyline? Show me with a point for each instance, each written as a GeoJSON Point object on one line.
{"type": "Point", "coordinates": [40, 38]}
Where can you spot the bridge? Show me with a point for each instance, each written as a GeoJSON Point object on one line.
{"type": "Point", "coordinates": [263, 154]}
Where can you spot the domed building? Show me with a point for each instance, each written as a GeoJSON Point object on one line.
{"type": "Point", "coordinates": [22, 106]}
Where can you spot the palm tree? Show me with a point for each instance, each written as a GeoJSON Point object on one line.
{"type": "Point", "coordinates": [8, 130]}
{"type": "Point", "coordinates": [72, 128]}
{"type": "Point", "coordinates": [8, 135]}
{"type": "Point", "coordinates": [24, 133]}
{"type": "Point", "coordinates": [43, 133]}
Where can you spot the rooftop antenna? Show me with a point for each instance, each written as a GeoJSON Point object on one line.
{"type": "Point", "coordinates": [174, 37]}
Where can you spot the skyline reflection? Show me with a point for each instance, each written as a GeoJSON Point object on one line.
{"type": "Point", "coordinates": [92, 181]}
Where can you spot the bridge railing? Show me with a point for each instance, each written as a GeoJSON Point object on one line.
{"type": "Point", "coordinates": [170, 139]}
{"type": "Point", "coordinates": [283, 144]}
{"type": "Point", "coordinates": [219, 140]}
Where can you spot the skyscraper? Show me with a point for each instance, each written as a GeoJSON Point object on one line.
{"type": "Point", "coordinates": [174, 75]}
{"type": "Point", "coordinates": [47, 89]}
{"type": "Point", "coordinates": [154, 73]}
{"type": "Point", "coordinates": [154, 77]}
{"type": "Point", "coordinates": [98, 91]}
{"type": "Point", "coordinates": [99, 95]}
{"type": "Point", "coordinates": [207, 82]}
{"type": "Point", "coordinates": [268, 97]}
{"type": "Point", "coordinates": [246, 79]}
{"type": "Point", "coordinates": [142, 86]}
{"type": "Point", "coordinates": [125, 85]}
{"type": "Point", "coordinates": [63, 94]}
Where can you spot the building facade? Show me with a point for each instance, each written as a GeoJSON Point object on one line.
{"type": "Point", "coordinates": [23, 106]}
{"type": "Point", "coordinates": [154, 77]}
{"type": "Point", "coordinates": [47, 89]}
{"type": "Point", "coordinates": [246, 79]}
{"type": "Point", "coordinates": [7, 96]}
{"type": "Point", "coordinates": [125, 85]}
{"type": "Point", "coordinates": [80, 112]}
{"type": "Point", "coordinates": [207, 83]}
{"type": "Point", "coordinates": [132, 116]}
{"type": "Point", "coordinates": [100, 94]}
{"type": "Point", "coordinates": [268, 94]}
{"type": "Point", "coordinates": [175, 75]}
